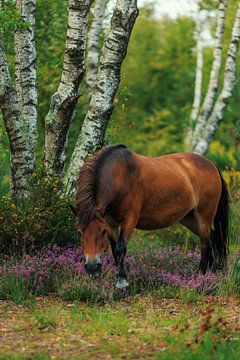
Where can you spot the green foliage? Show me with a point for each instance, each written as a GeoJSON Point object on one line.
{"type": "Point", "coordinates": [159, 73]}
{"type": "Point", "coordinates": [13, 288]}
{"type": "Point", "coordinates": [43, 217]}
{"type": "Point", "coordinates": [10, 17]}
{"type": "Point", "coordinates": [154, 100]}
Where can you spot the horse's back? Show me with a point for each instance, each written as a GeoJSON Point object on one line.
{"type": "Point", "coordinates": [172, 185]}
{"type": "Point", "coordinates": [184, 167]}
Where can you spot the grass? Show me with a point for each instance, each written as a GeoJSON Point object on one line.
{"type": "Point", "coordinates": [142, 327]}
{"type": "Point", "coordinates": [14, 288]}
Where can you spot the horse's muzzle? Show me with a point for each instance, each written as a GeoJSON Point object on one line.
{"type": "Point", "coordinates": [94, 269]}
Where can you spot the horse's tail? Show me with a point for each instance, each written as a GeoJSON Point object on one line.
{"type": "Point", "coordinates": [219, 236]}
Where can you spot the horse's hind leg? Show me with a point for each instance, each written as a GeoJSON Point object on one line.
{"type": "Point", "coordinates": [206, 220]}
{"type": "Point", "coordinates": [206, 253]}
{"type": "Point", "coordinates": [201, 226]}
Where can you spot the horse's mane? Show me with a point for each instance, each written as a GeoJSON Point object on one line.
{"type": "Point", "coordinates": [87, 184]}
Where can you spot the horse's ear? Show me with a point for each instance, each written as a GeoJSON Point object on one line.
{"type": "Point", "coordinates": [74, 210]}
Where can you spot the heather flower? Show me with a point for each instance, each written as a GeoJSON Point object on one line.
{"type": "Point", "coordinates": [62, 269]}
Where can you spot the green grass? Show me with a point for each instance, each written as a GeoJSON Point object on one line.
{"type": "Point", "coordinates": [45, 319]}
{"type": "Point", "coordinates": [14, 288]}
{"type": "Point", "coordinates": [207, 351]}
{"type": "Point", "coordinates": [140, 327]}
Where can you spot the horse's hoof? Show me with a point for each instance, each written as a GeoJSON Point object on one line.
{"type": "Point", "coordinates": [122, 283]}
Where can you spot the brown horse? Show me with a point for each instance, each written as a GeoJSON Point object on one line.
{"type": "Point", "coordinates": [119, 190]}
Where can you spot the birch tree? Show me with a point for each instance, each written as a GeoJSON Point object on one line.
{"type": "Point", "coordinates": [17, 104]}
{"type": "Point", "coordinates": [93, 44]}
{"type": "Point", "coordinates": [210, 97]}
{"type": "Point", "coordinates": [198, 80]}
{"type": "Point", "coordinates": [108, 78]}
{"type": "Point", "coordinates": [25, 70]}
{"type": "Point", "coordinates": [21, 156]}
{"type": "Point", "coordinates": [199, 70]}
{"type": "Point", "coordinates": [204, 134]}
{"type": "Point", "coordinates": [63, 102]}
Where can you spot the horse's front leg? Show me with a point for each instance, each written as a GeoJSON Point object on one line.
{"type": "Point", "coordinates": [119, 249]}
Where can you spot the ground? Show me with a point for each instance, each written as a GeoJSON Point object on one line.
{"type": "Point", "coordinates": [142, 327]}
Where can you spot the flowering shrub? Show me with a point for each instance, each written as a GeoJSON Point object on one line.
{"type": "Point", "coordinates": [57, 269]}
{"type": "Point", "coordinates": [44, 216]}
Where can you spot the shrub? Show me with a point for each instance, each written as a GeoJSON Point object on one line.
{"type": "Point", "coordinates": [43, 217]}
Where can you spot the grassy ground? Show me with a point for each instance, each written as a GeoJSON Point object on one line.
{"type": "Point", "coordinates": [143, 327]}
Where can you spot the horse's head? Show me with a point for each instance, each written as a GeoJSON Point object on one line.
{"type": "Point", "coordinates": [94, 241]}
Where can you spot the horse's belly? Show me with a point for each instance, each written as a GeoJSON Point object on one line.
{"type": "Point", "coordinates": [161, 212]}
{"type": "Point", "coordinates": [158, 221]}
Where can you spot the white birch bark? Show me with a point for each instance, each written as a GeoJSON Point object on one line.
{"type": "Point", "coordinates": [21, 156]}
{"type": "Point", "coordinates": [108, 78]}
{"type": "Point", "coordinates": [63, 102]}
{"type": "Point", "coordinates": [198, 82]}
{"type": "Point", "coordinates": [199, 69]}
{"type": "Point", "coordinates": [93, 44]}
{"type": "Point", "coordinates": [25, 70]}
{"type": "Point", "coordinates": [210, 97]}
{"type": "Point", "coordinates": [205, 136]}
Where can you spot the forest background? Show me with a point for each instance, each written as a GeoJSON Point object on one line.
{"type": "Point", "coordinates": [155, 96]}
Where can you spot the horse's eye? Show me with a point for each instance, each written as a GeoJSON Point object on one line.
{"type": "Point", "coordinates": [103, 232]}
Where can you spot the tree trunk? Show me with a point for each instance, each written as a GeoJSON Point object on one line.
{"type": "Point", "coordinates": [198, 82]}
{"type": "Point", "coordinates": [205, 136]}
{"type": "Point", "coordinates": [63, 102]}
{"type": "Point", "coordinates": [25, 70]}
{"type": "Point", "coordinates": [108, 78]}
{"type": "Point", "coordinates": [21, 154]}
{"type": "Point", "coordinates": [93, 44]}
{"type": "Point", "coordinates": [210, 97]}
